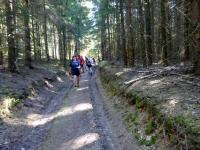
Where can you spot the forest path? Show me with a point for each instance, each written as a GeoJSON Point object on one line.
{"type": "Point", "coordinates": [82, 123]}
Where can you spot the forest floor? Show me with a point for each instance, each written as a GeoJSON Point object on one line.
{"type": "Point", "coordinates": [41, 109]}
{"type": "Point", "coordinates": [169, 95]}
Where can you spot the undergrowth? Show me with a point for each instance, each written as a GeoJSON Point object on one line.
{"type": "Point", "coordinates": [9, 102]}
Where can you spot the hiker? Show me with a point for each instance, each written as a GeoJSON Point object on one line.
{"type": "Point", "coordinates": [82, 62]}
{"type": "Point", "coordinates": [89, 63]}
{"type": "Point", "coordinates": [86, 59]}
{"type": "Point", "coordinates": [75, 69]}
{"type": "Point", "coordinates": [94, 64]}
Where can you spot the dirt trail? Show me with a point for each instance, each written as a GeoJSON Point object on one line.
{"type": "Point", "coordinates": [71, 119]}
{"type": "Point", "coordinates": [82, 124]}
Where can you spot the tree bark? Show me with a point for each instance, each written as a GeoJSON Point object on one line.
{"type": "Point", "coordinates": [130, 39]}
{"type": "Point", "coordinates": [196, 20]}
{"type": "Point", "coordinates": [149, 50]}
{"type": "Point", "coordinates": [164, 58]}
{"type": "Point", "coordinates": [118, 32]}
{"type": "Point", "coordinates": [141, 29]}
{"type": "Point", "coordinates": [55, 42]}
{"type": "Point", "coordinates": [27, 36]}
{"type": "Point", "coordinates": [45, 32]}
{"type": "Point", "coordinates": [34, 40]}
{"type": "Point", "coordinates": [39, 50]}
{"type": "Point", "coordinates": [123, 32]}
{"type": "Point", "coordinates": [64, 47]}
{"type": "Point", "coordinates": [186, 51]}
{"type": "Point", "coordinates": [10, 36]}
{"type": "Point", "coordinates": [60, 45]}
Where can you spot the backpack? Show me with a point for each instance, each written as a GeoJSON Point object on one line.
{"type": "Point", "coordinates": [89, 63]}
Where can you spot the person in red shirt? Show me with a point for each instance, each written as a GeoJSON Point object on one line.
{"type": "Point", "coordinates": [82, 62]}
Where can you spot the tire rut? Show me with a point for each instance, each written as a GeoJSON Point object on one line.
{"type": "Point", "coordinates": [108, 139]}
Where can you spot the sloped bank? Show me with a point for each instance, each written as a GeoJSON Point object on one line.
{"type": "Point", "coordinates": [25, 98]}
{"type": "Point", "coordinates": [151, 118]}
{"type": "Point", "coordinates": [22, 88]}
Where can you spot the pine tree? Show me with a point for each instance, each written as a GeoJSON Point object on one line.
{"type": "Point", "coordinates": [10, 35]}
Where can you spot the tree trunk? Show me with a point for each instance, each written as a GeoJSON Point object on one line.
{"type": "Point", "coordinates": [45, 32]}
{"type": "Point", "coordinates": [60, 45]}
{"type": "Point", "coordinates": [64, 47]}
{"type": "Point", "coordinates": [141, 28]}
{"type": "Point", "coordinates": [186, 51]}
{"type": "Point", "coordinates": [164, 58]}
{"type": "Point", "coordinates": [103, 46]}
{"type": "Point", "coordinates": [15, 25]}
{"type": "Point", "coordinates": [10, 36]}
{"type": "Point", "coordinates": [39, 50]}
{"type": "Point", "coordinates": [169, 31]}
{"type": "Point", "coordinates": [123, 36]}
{"type": "Point", "coordinates": [130, 40]}
{"type": "Point", "coordinates": [34, 40]}
{"type": "Point", "coordinates": [178, 29]}
{"type": "Point", "coordinates": [27, 36]}
{"type": "Point", "coordinates": [149, 50]}
{"type": "Point", "coordinates": [152, 3]}
{"type": "Point", "coordinates": [55, 42]}
{"type": "Point", "coordinates": [109, 39]}
{"type": "Point", "coordinates": [118, 33]}
{"type": "Point", "coordinates": [196, 20]}
{"type": "Point", "coordinates": [1, 57]}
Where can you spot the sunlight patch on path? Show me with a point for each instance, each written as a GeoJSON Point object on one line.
{"type": "Point", "coordinates": [63, 112]}
{"type": "Point", "coordinates": [81, 141]}
{"type": "Point", "coordinates": [84, 88]}
{"type": "Point", "coordinates": [84, 81]}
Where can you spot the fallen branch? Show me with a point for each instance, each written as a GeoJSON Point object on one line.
{"type": "Point", "coordinates": [188, 82]}
{"type": "Point", "coordinates": [142, 78]}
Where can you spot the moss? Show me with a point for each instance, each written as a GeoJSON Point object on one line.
{"type": "Point", "coordinates": [131, 117]}
{"type": "Point", "coordinates": [169, 124]}
{"type": "Point", "coordinates": [150, 127]}
{"type": "Point", "coordinates": [152, 141]}
{"type": "Point", "coordinates": [139, 102]}
{"type": "Point", "coordinates": [142, 141]}
{"type": "Point", "coordinates": [146, 142]}
{"type": "Point", "coordinates": [136, 135]}
{"type": "Point", "coordinates": [190, 125]}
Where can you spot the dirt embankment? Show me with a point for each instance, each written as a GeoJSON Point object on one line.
{"type": "Point", "coordinates": [24, 98]}
{"type": "Point", "coordinates": [161, 106]}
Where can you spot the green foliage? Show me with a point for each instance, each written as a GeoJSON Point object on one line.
{"type": "Point", "coordinates": [148, 142]}
{"type": "Point", "coordinates": [11, 102]}
{"type": "Point", "coordinates": [139, 103]}
{"type": "Point", "coordinates": [189, 124]}
{"type": "Point", "coordinates": [150, 127]}
{"type": "Point", "coordinates": [131, 117]}
{"type": "Point", "coordinates": [169, 124]}
{"type": "Point", "coordinates": [152, 141]}
{"type": "Point", "coordinates": [136, 135]}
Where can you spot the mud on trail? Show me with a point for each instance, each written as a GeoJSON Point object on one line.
{"type": "Point", "coordinates": [73, 119]}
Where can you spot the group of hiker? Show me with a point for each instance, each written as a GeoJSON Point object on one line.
{"type": "Point", "coordinates": [79, 65]}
